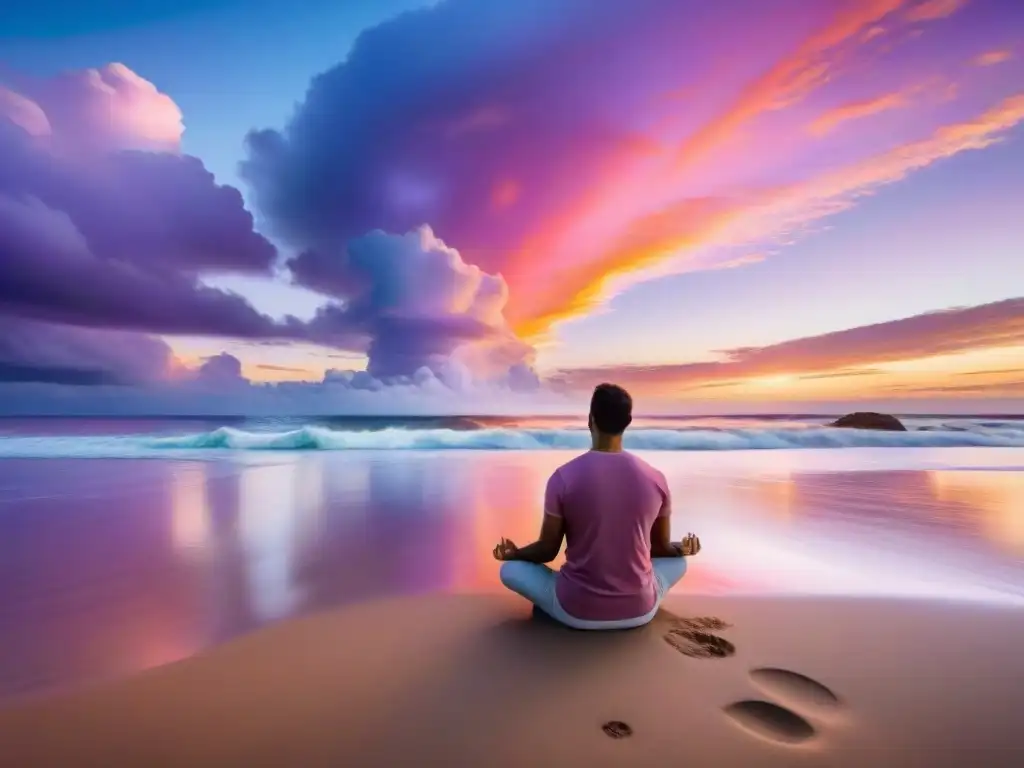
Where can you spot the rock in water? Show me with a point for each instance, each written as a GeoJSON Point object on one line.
{"type": "Point", "coordinates": [868, 420]}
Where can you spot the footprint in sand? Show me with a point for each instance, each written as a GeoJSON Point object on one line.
{"type": "Point", "coordinates": [775, 722]}
{"type": "Point", "coordinates": [793, 687]}
{"type": "Point", "coordinates": [690, 637]}
{"type": "Point", "coordinates": [770, 721]}
{"type": "Point", "coordinates": [616, 729]}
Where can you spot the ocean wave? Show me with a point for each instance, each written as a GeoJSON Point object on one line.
{"type": "Point", "coordinates": [313, 438]}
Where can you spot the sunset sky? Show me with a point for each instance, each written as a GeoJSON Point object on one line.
{"type": "Point", "coordinates": [482, 204]}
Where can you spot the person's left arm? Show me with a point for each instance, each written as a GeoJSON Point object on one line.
{"type": "Point", "coordinates": [552, 531]}
{"type": "Point", "coordinates": [661, 537]}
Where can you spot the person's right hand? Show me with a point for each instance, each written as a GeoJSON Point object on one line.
{"type": "Point", "coordinates": [506, 550]}
{"type": "Point", "coordinates": [690, 545]}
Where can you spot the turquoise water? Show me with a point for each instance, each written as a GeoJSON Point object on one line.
{"type": "Point", "coordinates": [133, 438]}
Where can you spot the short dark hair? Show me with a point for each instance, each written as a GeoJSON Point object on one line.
{"type": "Point", "coordinates": [611, 409]}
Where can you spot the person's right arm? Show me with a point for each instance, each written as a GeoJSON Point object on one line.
{"type": "Point", "coordinates": [552, 531]}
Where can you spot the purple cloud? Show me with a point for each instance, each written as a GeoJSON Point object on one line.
{"type": "Point", "coordinates": [220, 370]}
{"type": "Point", "coordinates": [59, 354]}
{"type": "Point", "coordinates": [479, 117]}
{"type": "Point", "coordinates": [103, 224]}
{"type": "Point", "coordinates": [412, 302]}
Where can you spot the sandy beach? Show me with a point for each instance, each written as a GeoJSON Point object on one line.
{"type": "Point", "coordinates": [474, 681]}
{"type": "Point", "coordinates": [344, 609]}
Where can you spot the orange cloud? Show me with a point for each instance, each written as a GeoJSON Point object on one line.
{"type": "Point", "coordinates": [991, 58]}
{"type": "Point", "coordinates": [642, 244]}
{"type": "Point", "coordinates": [754, 216]}
{"type": "Point", "coordinates": [526, 306]}
{"type": "Point", "coordinates": [930, 10]}
{"type": "Point", "coordinates": [790, 79]}
{"type": "Point", "coordinates": [856, 110]}
{"type": "Point", "coordinates": [841, 353]}
{"type": "Point", "coordinates": [586, 271]}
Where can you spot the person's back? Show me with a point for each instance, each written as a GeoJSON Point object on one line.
{"type": "Point", "coordinates": [613, 509]}
{"type": "Point", "coordinates": [609, 501]}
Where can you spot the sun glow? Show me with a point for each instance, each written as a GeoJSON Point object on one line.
{"type": "Point", "coordinates": [773, 381]}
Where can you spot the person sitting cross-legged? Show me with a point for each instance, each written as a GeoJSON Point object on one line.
{"type": "Point", "coordinates": [613, 509]}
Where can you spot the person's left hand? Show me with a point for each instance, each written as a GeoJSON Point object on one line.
{"type": "Point", "coordinates": [506, 550]}
{"type": "Point", "coordinates": [689, 546]}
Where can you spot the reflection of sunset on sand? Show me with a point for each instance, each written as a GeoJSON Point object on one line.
{"type": "Point", "coordinates": [993, 501]}
{"type": "Point", "coordinates": [191, 515]}
{"type": "Point", "coordinates": [188, 554]}
{"type": "Point", "coordinates": [270, 509]}
{"type": "Point", "coordinates": [506, 502]}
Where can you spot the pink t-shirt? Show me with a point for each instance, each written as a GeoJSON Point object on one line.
{"type": "Point", "coordinates": [609, 502]}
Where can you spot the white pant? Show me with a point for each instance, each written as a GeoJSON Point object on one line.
{"type": "Point", "coordinates": [536, 583]}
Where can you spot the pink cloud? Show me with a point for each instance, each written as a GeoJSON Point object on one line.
{"type": "Point", "coordinates": [99, 110]}
{"type": "Point", "coordinates": [992, 58]}
{"type": "Point", "coordinates": [856, 110]}
{"type": "Point", "coordinates": [1000, 324]}
{"type": "Point", "coordinates": [931, 10]}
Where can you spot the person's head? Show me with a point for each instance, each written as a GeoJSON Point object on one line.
{"type": "Point", "coordinates": [611, 410]}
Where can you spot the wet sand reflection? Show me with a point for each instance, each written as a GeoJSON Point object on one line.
{"type": "Point", "coordinates": [108, 567]}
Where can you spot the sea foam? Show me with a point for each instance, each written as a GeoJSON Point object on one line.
{"type": "Point", "coordinates": [316, 438]}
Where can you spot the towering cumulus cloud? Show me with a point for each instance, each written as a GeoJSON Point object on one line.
{"type": "Point", "coordinates": [481, 118]}
{"type": "Point", "coordinates": [558, 142]}
{"type": "Point", "coordinates": [414, 304]}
